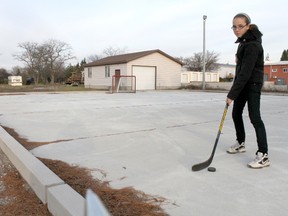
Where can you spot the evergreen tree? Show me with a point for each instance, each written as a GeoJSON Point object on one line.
{"type": "Point", "coordinates": [284, 56]}
{"type": "Point", "coordinates": [4, 76]}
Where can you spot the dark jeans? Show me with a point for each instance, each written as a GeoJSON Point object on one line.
{"type": "Point", "coordinates": [250, 94]}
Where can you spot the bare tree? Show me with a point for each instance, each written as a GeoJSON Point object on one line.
{"type": "Point", "coordinates": [95, 57]}
{"type": "Point", "coordinates": [109, 51]}
{"type": "Point", "coordinates": [195, 63]}
{"type": "Point", "coordinates": [33, 58]}
{"type": "Point", "coordinates": [16, 71]}
{"type": "Point", "coordinates": [44, 60]}
{"type": "Point", "coordinates": [56, 54]}
{"type": "Point", "coordinates": [211, 61]}
{"type": "Point", "coordinates": [112, 51]}
{"type": "Point", "coordinates": [267, 58]}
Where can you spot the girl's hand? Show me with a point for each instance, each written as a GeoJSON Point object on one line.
{"type": "Point", "coordinates": [229, 101]}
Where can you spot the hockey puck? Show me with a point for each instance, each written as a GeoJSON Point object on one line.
{"type": "Point", "coordinates": [211, 169]}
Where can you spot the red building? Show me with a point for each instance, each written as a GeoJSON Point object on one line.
{"type": "Point", "coordinates": [276, 72]}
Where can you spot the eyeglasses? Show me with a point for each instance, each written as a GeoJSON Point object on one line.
{"type": "Point", "coordinates": [238, 27]}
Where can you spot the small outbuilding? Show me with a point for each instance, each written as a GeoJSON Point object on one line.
{"type": "Point", "coordinates": [15, 80]}
{"type": "Point", "coordinates": [150, 70]}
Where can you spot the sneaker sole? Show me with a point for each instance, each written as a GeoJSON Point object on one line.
{"type": "Point", "coordinates": [258, 167]}
{"type": "Point", "coordinates": [235, 152]}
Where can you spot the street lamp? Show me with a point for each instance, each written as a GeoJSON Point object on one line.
{"type": "Point", "coordinates": [204, 52]}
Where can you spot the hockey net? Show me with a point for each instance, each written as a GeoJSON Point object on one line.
{"type": "Point", "coordinates": [123, 84]}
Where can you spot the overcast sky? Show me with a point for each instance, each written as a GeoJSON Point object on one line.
{"type": "Point", "coordinates": [173, 26]}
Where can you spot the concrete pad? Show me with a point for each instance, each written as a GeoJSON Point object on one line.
{"type": "Point", "coordinates": [64, 201]}
{"type": "Point", "coordinates": [150, 140]}
{"type": "Point", "coordinates": [35, 173]}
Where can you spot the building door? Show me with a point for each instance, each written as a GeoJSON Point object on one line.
{"type": "Point", "coordinates": [117, 79]}
{"type": "Point", "coordinates": [145, 77]}
{"type": "Point", "coordinates": [280, 81]}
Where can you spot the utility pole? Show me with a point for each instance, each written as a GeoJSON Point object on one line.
{"type": "Point", "coordinates": [204, 52]}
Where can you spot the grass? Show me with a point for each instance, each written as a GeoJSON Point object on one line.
{"type": "Point", "coordinates": [5, 88]}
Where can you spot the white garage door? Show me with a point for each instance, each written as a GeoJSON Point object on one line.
{"type": "Point", "coordinates": [145, 77]}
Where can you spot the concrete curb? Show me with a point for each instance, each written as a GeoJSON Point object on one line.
{"type": "Point", "coordinates": [60, 197]}
{"type": "Point", "coordinates": [63, 200]}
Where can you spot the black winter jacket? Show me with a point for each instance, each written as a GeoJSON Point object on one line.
{"type": "Point", "coordinates": [249, 62]}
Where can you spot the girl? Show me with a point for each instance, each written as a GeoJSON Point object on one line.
{"type": "Point", "coordinates": [247, 88]}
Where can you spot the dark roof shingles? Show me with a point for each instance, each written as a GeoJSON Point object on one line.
{"type": "Point", "coordinates": [125, 58]}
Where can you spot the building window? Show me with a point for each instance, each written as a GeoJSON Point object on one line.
{"type": "Point", "coordinates": [107, 71]}
{"type": "Point", "coordinates": [285, 70]}
{"type": "Point", "coordinates": [274, 70]}
{"type": "Point", "coordinates": [90, 72]}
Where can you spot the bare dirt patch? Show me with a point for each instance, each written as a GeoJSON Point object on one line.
{"type": "Point", "coordinates": [18, 199]}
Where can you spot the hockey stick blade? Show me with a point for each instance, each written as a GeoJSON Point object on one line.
{"type": "Point", "coordinates": [205, 164]}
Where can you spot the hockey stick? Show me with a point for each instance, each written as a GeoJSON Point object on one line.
{"type": "Point", "coordinates": [203, 165]}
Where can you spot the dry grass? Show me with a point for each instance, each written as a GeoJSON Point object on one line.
{"type": "Point", "coordinates": [120, 202]}
{"type": "Point", "coordinates": [5, 88]}
{"type": "Point", "coordinates": [16, 197]}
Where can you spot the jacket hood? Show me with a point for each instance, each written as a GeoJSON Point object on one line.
{"type": "Point", "coordinates": [250, 35]}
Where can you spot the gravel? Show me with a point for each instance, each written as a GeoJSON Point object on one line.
{"type": "Point", "coordinates": [5, 166]}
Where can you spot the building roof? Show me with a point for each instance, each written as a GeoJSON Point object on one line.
{"type": "Point", "coordinates": [125, 58]}
{"type": "Point", "coordinates": [226, 65]}
{"type": "Point", "coordinates": [276, 63]}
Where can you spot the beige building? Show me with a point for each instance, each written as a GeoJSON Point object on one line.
{"type": "Point", "coordinates": [153, 69]}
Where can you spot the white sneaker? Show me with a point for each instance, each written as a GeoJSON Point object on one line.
{"type": "Point", "coordinates": [237, 148]}
{"type": "Point", "coordinates": [260, 161]}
